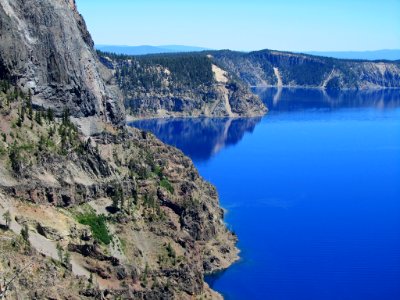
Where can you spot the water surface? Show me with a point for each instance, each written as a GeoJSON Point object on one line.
{"type": "Point", "coordinates": [312, 191]}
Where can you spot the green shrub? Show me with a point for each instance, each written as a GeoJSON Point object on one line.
{"type": "Point", "coordinates": [2, 151]}
{"type": "Point", "coordinates": [98, 226]}
{"type": "Point", "coordinates": [167, 185]}
{"type": "Point", "coordinates": [158, 171]}
{"type": "Point", "coordinates": [15, 158]}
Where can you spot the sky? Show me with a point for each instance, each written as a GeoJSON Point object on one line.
{"type": "Point", "coordinates": [292, 25]}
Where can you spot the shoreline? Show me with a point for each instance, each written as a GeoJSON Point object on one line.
{"type": "Point", "coordinates": [131, 118]}
{"type": "Point", "coordinates": [322, 88]}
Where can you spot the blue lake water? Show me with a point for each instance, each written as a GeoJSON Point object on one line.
{"type": "Point", "coordinates": [312, 190]}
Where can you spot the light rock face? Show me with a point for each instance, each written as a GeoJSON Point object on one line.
{"type": "Point", "coordinates": [45, 47]}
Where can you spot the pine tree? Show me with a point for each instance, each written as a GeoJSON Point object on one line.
{"type": "Point", "coordinates": [25, 233]}
{"type": "Point", "coordinates": [7, 218]}
{"type": "Point", "coordinates": [15, 158]}
{"type": "Point", "coordinates": [65, 118]}
{"type": "Point", "coordinates": [59, 252]}
{"type": "Point", "coordinates": [38, 117]}
{"type": "Point", "coordinates": [50, 115]}
{"type": "Point", "coordinates": [29, 105]}
{"type": "Point", "coordinates": [67, 258]}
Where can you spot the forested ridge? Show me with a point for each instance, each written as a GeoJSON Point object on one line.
{"type": "Point", "coordinates": [181, 83]}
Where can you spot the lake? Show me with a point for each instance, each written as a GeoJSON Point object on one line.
{"type": "Point", "coordinates": [312, 190]}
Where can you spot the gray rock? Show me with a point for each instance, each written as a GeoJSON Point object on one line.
{"type": "Point", "coordinates": [37, 51]}
{"type": "Point", "coordinates": [121, 272]}
{"type": "Point", "coordinates": [48, 232]}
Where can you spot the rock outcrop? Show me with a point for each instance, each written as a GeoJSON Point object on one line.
{"type": "Point", "coordinates": [46, 49]}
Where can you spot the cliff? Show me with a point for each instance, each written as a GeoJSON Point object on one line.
{"type": "Point", "coordinates": [181, 85]}
{"type": "Point", "coordinates": [276, 68]}
{"type": "Point", "coordinates": [90, 209]}
{"type": "Point", "coordinates": [45, 48]}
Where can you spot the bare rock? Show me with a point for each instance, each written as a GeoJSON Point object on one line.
{"type": "Point", "coordinates": [36, 50]}
{"type": "Point", "coordinates": [48, 232]}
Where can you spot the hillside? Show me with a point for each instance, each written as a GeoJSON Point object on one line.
{"type": "Point", "coordinates": [178, 85]}
{"type": "Point", "coordinates": [89, 208]}
{"type": "Point", "coordinates": [267, 68]}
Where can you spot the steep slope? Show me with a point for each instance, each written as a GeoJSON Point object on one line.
{"type": "Point", "coordinates": [301, 70]}
{"type": "Point", "coordinates": [181, 85]}
{"type": "Point", "coordinates": [154, 226]}
{"type": "Point", "coordinates": [90, 209]}
{"type": "Point", "coordinates": [46, 48]}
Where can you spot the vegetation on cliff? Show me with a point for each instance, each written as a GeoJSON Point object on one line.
{"type": "Point", "coordinates": [120, 210]}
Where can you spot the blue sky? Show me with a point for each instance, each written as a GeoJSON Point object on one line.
{"type": "Point", "coordinates": [293, 25]}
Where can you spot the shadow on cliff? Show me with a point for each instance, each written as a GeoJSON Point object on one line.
{"type": "Point", "coordinates": [199, 138]}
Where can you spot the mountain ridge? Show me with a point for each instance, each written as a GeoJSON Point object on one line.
{"type": "Point", "coordinates": [303, 70]}
{"type": "Point", "coordinates": [381, 54]}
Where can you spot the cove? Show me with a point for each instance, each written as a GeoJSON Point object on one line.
{"type": "Point", "coordinates": [311, 189]}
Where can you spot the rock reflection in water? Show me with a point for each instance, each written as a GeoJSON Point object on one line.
{"type": "Point", "coordinates": [199, 138]}
{"type": "Point", "coordinates": [296, 99]}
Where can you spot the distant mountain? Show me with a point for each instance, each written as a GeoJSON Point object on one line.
{"type": "Point", "coordinates": [364, 55]}
{"type": "Point", "coordinates": [146, 49]}
{"type": "Point", "coordinates": [181, 48]}
{"type": "Point", "coordinates": [392, 54]}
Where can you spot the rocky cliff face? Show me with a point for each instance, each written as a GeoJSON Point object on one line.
{"type": "Point", "coordinates": [181, 85]}
{"type": "Point", "coordinates": [126, 208]}
{"type": "Point", "coordinates": [275, 68]}
{"type": "Point", "coordinates": [46, 48]}
{"type": "Point", "coordinates": [114, 215]}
